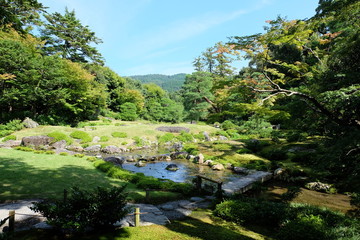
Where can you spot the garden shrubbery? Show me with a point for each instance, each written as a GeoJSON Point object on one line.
{"type": "Point", "coordinates": [99, 209]}
{"type": "Point", "coordinates": [58, 136]}
{"type": "Point", "coordinates": [83, 136]}
{"type": "Point", "coordinates": [119, 134]}
{"type": "Point", "coordinates": [10, 127]}
{"type": "Point", "coordinates": [292, 221]}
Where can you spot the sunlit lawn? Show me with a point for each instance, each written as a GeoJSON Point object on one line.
{"type": "Point", "coordinates": [25, 175]}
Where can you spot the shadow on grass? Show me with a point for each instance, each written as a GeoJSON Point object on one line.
{"type": "Point", "coordinates": [196, 228]}
{"type": "Point", "coordinates": [20, 180]}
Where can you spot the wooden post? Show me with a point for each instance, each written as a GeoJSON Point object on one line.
{"type": "Point", "coordinates": [137, 217]}
{"type": "Point", "coordinates": [219, 191]}
{"type": "Point", "coordinates": [198, 183]}
{"type": "Point", "coordinates": [147, 196]}
{"type": "Point", "coordinates": [65, 195]}
{"type": "Point", "coordinates": [11, 221]}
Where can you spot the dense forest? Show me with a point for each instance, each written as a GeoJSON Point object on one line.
{"type": "Point", "coordinates": [170, 83]}
{"type": "Point", "coordinates": [303, 76]}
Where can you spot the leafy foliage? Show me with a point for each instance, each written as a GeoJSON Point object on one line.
{"type": "Point", "coordinates": [83, 136]}
{"type": "Point", "coordinates": [82, 209]}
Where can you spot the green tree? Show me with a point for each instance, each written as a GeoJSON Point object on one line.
{"type": "Point", "coordinates": [128, 112]}
{"type": "Point", "coordinates": [64, 34]}
{"type": "Point", "coordinates": [20, 14]}
{"type": "Point", "coordinates": [197, 95]}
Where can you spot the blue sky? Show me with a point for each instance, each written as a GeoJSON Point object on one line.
{"type": "Point", "coordinates": [164, 36]}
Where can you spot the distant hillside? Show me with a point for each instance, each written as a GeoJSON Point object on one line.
{"type": "Point", "coordinates": [169, 83]}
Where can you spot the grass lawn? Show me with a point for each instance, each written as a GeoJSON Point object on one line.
{"type": "Point", "coordinates": [25, 175]}
{"type": "Point", "coordinates": [201, 225]}
{"type": "Point", "coordinates": [132, 129]}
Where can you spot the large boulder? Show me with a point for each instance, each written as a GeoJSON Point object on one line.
{"type": "Point", "coordinates": [115, 159]}
{"type": "Point", "coordinates": [200, 158]}
{"type": "Point", "coordinates": [140, 164]}
{"type": "Point", "coordinates": [218, 167]}
{"type": "Point", "coordinates": [172, 167]}
{"type": "Point", "coordinates": [59, 145]}
{"type": "Point", "coordinates": [172, 129]}
{"type": "Point", "coordinates": [178, 155]}
{"type": "Point", "coordinates": [29, 123]}
{"type": "Point", "coordinates": [75, 148]}
{"type": "Point", "coordinates": [207, 136]}
{"type": "Point", "coordinates": [94, 148]}
{"type": "Point", "coordinates": [36, 141]}
{"type": "Point", "coordinates": [11, 143]}
{"type": "Point", "coordinates": [111, 149]}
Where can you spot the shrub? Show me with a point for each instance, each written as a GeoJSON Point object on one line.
{"type": "Point", "coordinates": [257, 125]}
{"type": "Point", "coordinates": [9, 137]}
{"type": "Point", "coordinates": [243, 151]}
{"type": "Point", "coordinates": [228, 125]}
{"type": "Point", "coordinates": [128, 112]}
{"type": "Point", "coordinates": [191, 148]}
{"type": "Point", "coordinates": [58, 136]}
{"type": "Point", "coordinates": [296, 136]}
{"type": "Point", "coordinates": [124, 143]}
{"type": "Point", "coordinates": [274, 153]}
{"type": "Point", "coordinates": [13, 125]}
{"type": "Point", "coordinates": [138, 141]}
{"type": "Point", "coordinates": [222, 147]}
{"type": "Point", "coordinates": [104, 138]}
{"type": "Point", "coordinates": [167, 137]}
{"type": "Point", "coordinates": [4, 133]}
{"type": "Point", "coordinates": [119, 134]}
{"type": "Point", "coordinates": [39, 151]}
{"type": "Point", "coordinates": [84, 136]}
{"type": "Point", "coordinates": [199, 136]}
{"type": "Point", "coordinates": [92, 159]}
{"type": "Point", "coordinates": [64, 154]}
{"type": "Point", "coordinates": [222, 133]}
{"type": "Point", "coordinates": [98, 209]}
{"type": "Point", "coordinates": [79, 155]}
{"type": "Point", "coordinates": [25, 149]}
{"type": "Point", "coordinates": [49, 152]}
{"type": "Point", "coordinates": [185, 137]}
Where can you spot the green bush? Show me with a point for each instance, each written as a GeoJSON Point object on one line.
{"type": "Point", "coordinates": [292, 221]}
{"type": "Point", "coordinates": [104, 138]}
{"type": "Point", "coordinates": [49, 152]}
{"type": "Point", "coordinates": [243, 151]}
{"type": "Point", "coordinates": [119, 134]}
{"type": "Point", "coordinates": [296, 136]}
{"type": "Point", "coordinates": [13, 125]}
{"type": "Point", "coordinates": [128, 112]}
{"type": "Point", "coordinates": [64, 154]}
{"type": "Point", "coordinates": [9, 137]}
{"type": "Point", "coordinates": [199, 136]}
{"type": "Point", "coordinates": [138, 141]}
{"type": "Point", "coordinates": [92, 159]}
{"type": "Point", "coordinates": [4, 133]}
{"type": "Point", "coordinates": [274, 153]}
{"type": "Point", "coordinates": [167, 137]}
{"type": "Point", "coordinates": [39, 151]}
{"type": "Point", "coordinates": [124, 143]}
{"type": "Point", "coordinates": [83, 136]}
{"type": "Point", "coordinates": [58, 136]}
{"type": "Point", "coordinates": [25, 149]}
{"type": "Point", "coordinates": [185, 137]}
{"type": "Point", "coordinates": [79, 155]}
{"type": "Point", "coordinates": [191, 148]}
{"type": "Point", "coordinates": [228, 125]}
{"type": "Point", "coordinates": [98, 209]}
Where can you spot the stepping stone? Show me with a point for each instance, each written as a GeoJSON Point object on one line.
{"type": "Point", "coordinates": [167, 207]}
{"type": "Point", "coordinates": [196, 199]}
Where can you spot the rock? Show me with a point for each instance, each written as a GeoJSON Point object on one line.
{"type": "Point", "coordinates": [218, 167]}
{"type": "Point", "coordinates": [207, 137]}
{"type": "Point", "coordinates": [140, 164]}
{"type": "Point", "coordinates": [167, 207]}
{"type": "Point", "coordinates": [96, 139]}
{"type": "Point", "coordinates": [318, 186]}
{"type": "Point", "coordinates": [11, 143]}
{"type": "Point", "coordinates": [121, 224]}
{"type": "Point", "coordinates": [75, 148]}
{"type": "Point", "coordinates": [129, 159]}
{"type": "Point", "coordinates": [196, 199]}
{"type": "Point", "coordinates": [177, 147]}
{"type": "Point", "coordinates": [223, 138]}
{"type": "Point", "coordinates": [173, 129]}
{"type": "Point", "coordinates": [43, 225]}
{"type": "Point", "coordinates": [168, 158]}
{"type": "Point", "coordinates": [111, 149]}
{"type": "Point", "coordinates": [176, 155]}
{"type": "Point", "coordinates": [116, 160]}
{"type": "Point", "coordinates": [278, 172]}
{"type": "Point", "coordinates": [208, 162]}
{"type": "Point", "coordinates": [29, 123]}
{"type": "Point", "coordinates": [172, 167]}
{"type": "Point", "coordinates": [36, 141]}
{"type": "Point", "coordinates": [200, 158]}
{"type": "Point", "coordinates": [241, 170]}
{"type": "Point", "coordinates": [59, 145]}
{"type": "Point", "coordinates": [217, 125]}
{"type": "Point", "coordinates": [229, 166]}
{"type": "Point", "coordinates": [93, 148]}
{"type": "Point", "coordinates": [190, 157]}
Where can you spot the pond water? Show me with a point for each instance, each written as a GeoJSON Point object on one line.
{"type": "Point", "coordinates": [186, 172]}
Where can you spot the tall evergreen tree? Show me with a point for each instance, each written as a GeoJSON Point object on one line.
{"type": "Point", "coordinates": [64, 34]}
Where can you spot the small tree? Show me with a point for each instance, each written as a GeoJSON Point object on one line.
{"type": "Point", "coordinates": [128, 112]}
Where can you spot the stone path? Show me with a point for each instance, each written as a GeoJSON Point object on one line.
{"type": "Point", "coordinates": [25, 218]}
{"type": "Point", "coordinates": [242, 184]}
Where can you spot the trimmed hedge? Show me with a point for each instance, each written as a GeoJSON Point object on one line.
{"type": "Point", "coordinates": [84, 136]}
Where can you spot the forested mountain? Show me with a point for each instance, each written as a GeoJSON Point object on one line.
{"type": "Point", "coordinates": [169, 83]}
